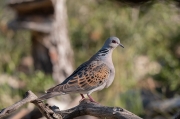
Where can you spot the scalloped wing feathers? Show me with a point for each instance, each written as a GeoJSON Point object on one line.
{"type": "Point", "coordinates": [86, 78]}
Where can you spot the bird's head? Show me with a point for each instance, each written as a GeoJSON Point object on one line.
{"type": "Point", "coordinates": [113, 42]}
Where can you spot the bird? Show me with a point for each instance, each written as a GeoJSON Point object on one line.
{"type": "Point", "coordinates": [93, 75]}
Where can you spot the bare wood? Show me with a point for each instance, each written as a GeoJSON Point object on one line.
{"type": "Point", "coordinates": [28, 97]}
{"type": "Point", "coordinates": [24, 7]}
{"type": "Point", "coordinates": [90, 108]}
{"type": "Point", "coordinates": [84, 108]}
{"type": "Point", "coordinates": [31, 97]}
{"type": "Point", "coordinates": [43, 26]}
{"type": "Point", "coordinates": [63, 63]}
{"type": "Point", "coordinates": [46, 111]}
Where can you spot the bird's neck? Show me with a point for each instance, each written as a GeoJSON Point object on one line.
{"type": "Point", "coordinates": [105, 52]}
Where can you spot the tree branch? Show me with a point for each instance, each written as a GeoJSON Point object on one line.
{"type": "Point", "coordinates": [84, 108]}
{"type": "Point", "coordinates": [29, 96]}
{"type": "Point", "coordinates": [46, 110]}
{"type": "Point", "coordinates": [90, 108]}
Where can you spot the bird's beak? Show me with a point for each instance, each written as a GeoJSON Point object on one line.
{"type": "Point", "coordinates": [121, 45]}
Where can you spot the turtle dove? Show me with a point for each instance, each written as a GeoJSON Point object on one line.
{"type": "Point", "coordinates": [95, 74]}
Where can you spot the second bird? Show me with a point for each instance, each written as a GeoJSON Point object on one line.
{"type": "Point", "coordinates": [95, 74]}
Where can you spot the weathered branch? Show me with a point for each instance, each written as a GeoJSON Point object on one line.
{"type": "Point", "coordinates": [28, 97]}
{"type": "Point", "coordinates": [45, 110]}
{"type": "Point", "coordinates": [43, 26]}
{"type": "Point", "coordinates": [90, 108]}
{"type": "Point", "coordinates": [84, 108]}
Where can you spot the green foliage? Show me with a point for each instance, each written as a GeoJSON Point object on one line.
{"type": "Point", "coordinates": [12, 49]}
{"type": "Point", "coordinates": [131, 100]}
{"type": "Point", "coordinates": [36, 82]}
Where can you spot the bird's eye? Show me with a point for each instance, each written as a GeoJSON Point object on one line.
{"type": "Point", "coordinates": [113, 41]}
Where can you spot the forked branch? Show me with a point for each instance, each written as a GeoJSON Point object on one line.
{"type": "Point", "coordinates": [84, 108]}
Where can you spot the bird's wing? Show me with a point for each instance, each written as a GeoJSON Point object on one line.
{"type": "Point", "coordinates": [86, 78]}
{"type": "Point", "coordinates": [75, 72]}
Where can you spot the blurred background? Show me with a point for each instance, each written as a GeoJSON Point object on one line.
{"type": "Point", "coordinates": [43, 41]}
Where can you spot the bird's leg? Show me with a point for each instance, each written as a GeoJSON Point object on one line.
{"type": "Point", "coordinates": [91, 99]}
{"type": "Point", "coordinates": [82, 97]}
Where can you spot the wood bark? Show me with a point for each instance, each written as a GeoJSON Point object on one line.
{"type": "Point", "coordinates": [84, 108]}
{"type": "Point", "coordinates": [28, 97]}
{"type": "Point", "coordinates": [61, 53]}
{"type": "Point", "coordinates": [46, 110]}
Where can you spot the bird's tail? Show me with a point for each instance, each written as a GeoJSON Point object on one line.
{"type": "Point", "coordinates": [50, 95]}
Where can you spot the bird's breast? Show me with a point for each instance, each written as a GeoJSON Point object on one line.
{"type": "Point", "coordinates": [111, 77]}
